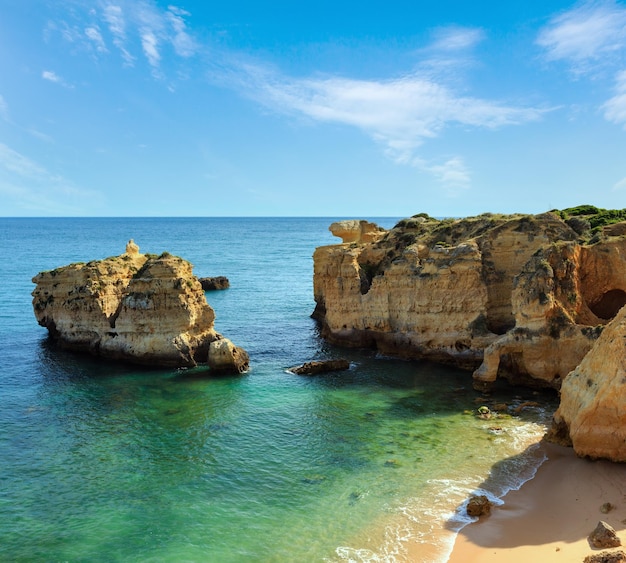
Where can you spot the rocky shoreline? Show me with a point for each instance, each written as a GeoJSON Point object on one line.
{"type": "Point", "coordinates": [521, 297]}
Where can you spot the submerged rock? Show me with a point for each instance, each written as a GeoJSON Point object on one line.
{"type": "Point", "coordinates": [320, 366]}
{"type": "Point", "coordinates": [142, 308]}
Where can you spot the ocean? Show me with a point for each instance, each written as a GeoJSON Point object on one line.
{"type": "Point", "coordinates": [104, 461]}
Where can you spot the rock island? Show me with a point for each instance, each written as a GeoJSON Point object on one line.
{"type": "Point", "coordinates": [142, 308]}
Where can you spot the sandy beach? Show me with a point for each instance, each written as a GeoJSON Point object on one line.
{"type": "Point", "coordinates": [551, 516]}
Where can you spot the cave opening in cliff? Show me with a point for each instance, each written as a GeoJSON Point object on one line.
{"type": "Point", "coordinates": [609, 304]}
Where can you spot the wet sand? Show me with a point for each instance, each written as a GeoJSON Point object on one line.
{"type": "Point", "coordinates": [551, 516]}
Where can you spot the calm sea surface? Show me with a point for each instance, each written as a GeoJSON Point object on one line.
{"type": "Point", "coordinates": [108, 462]}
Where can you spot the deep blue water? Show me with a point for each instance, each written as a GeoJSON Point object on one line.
{"type": "Point", "coordinates": [110, 462]}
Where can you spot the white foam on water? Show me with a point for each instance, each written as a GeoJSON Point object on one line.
{"type": "Point", "coordinates": [435, 518]}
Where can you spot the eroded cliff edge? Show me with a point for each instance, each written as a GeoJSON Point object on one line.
{"type": "Point", "coordinates": [137, 307]}
{"type": "Point", "coordinates": [523, 297]}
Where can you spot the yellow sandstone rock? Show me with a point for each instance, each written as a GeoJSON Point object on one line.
{"type": "Point", "coordinates": [517, 296]}
{"type": "Point", "coordinates": [145, 309]}
{"type": "Point", "coordinates": [591, 416]}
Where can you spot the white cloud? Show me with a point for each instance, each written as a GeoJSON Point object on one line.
{"type": "Point", "coordinates": [456, 38]}
{"type": "Point", "coordinates": [615, 108]}
{"type": "Point", "coordinates": [114, 17]}
{"type": "Point", "coordinates": [399, 113]}
{"type": "Point", "coordinates": [591, 38]}
{"type": "Point", "coordinates": [589, 35]}
{"type": "Point", "coordinates": [52, 76]}
{"type": "Point", "coordinates": [150, 45]}
{"type": "Point", "coordinates": [94, 35]}
{"type": "Point", "coordinates": [30, 186]}
{"type": "Point", "coordinates": [127, 23]}
{"type": "Point", "coordinates": [183, 43]}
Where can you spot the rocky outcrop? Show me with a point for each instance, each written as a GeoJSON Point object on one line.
{"type": "Point", "coordinates": [142, 308]}
{"type": "Point", "coordinates": [354, 230]}
{"type": "Point", "coordinates": [225, 357]}
{"type": "Point", "coordinates": [214, 283]}
{"type": "Point", "coordinates": [320, 366]}
{"type": "Point", "coordinates": [518, 296]}
{"type": "Point", "coordinates": [591, 415]}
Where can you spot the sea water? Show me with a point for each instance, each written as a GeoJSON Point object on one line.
{"type": "Point", "coordinates": [104, 461]}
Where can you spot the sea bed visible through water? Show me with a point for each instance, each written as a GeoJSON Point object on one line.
{"type": "Point", "coordinates": [106, 461]}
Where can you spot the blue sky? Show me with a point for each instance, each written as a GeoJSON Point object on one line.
{"type": "Point", "coordinates": [349, 109]}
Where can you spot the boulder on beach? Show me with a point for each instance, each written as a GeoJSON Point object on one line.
{"type": "Point", "coordinates": [478, 505]}
{"type": "Point", "coordinates": [604, 536]}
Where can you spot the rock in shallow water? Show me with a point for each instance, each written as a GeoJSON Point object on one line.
{"type": "Point", "coordinates": [320, 366]}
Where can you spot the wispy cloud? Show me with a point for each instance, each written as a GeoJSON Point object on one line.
{"type": "Point", "coordinates": [400, 114]}
{"type": "Point", "coordinates": [126, 23]}
{"type": "Point", "coordinates": [615, 107]}
{"type": "Point", "coordinates": [619, 186]}
{"type": "Point", "coordinates": [113, 16]}
{"type": "Point", "coordinates": [52, 76]}
{"type": "Point", "coordinates": [591, 39]}
{"type": "Point", "coordinates": [93, 34]}
{"type": "Point", "coordinates": [590, 35]}
{"type": "Point", "coordinates": [456, 38]}
{"type": "Point", "coordinates": [27, 185]}
{"type": "Point", "coordinates": [184, 45]}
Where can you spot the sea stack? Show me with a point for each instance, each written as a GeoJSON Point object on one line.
{"type": "Point", "coordinates": [142, 308]}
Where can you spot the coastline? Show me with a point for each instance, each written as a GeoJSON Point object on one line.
{"type": "Point", "coordinates": [551, 515]}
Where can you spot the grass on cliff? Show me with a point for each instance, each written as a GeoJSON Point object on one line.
{"type": "Point", "coordinates": [595, 217]}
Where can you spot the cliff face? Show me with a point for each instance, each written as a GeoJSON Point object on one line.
{"type": "Point", "coordinates": [591, 416]}
{"type": "Point", "coordinates": [513, 296]}
{"type": "Point", "coordinates": [145, 309]}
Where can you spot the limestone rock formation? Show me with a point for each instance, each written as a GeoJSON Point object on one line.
{"type": "Point", "coordinates": [591, 415]}
{"type": "Point", "coordinates": [225, 357]}
{"type": "Point", "coordinates": [142, 308]}
{"type": "Point", "coordinates": [516, 296]}
{"type": "Point", "coordinates": [356, 231]}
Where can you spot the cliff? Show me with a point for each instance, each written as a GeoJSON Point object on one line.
{"type": "Point", "coordinates": [517, 296]}
{"type": "Point", "coordinates": [591, 415]}
{"type": "Point", "coordinates": [143, 308]}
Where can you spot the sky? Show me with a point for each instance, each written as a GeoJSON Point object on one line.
{"type": "Point", "coordinates": [328, 108]}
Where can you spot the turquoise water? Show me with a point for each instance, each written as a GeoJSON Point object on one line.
{"type": "Point", "coordinates": [109, 462]}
